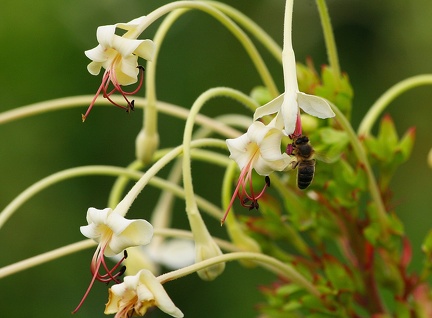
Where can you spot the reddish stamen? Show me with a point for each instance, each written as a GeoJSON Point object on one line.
{"type": "Point", "coordinates": [97, 260]}
{"type": "Point", "coordinates": [247, 199]}
{"type": "Point", "coordinates": [110, 77]}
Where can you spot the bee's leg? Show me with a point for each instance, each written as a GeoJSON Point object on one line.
{"type": "Point", "coordinates": [294, 164]}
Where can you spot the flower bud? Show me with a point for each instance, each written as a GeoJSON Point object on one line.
{"type": "Point", "coordinates": [146, 145]}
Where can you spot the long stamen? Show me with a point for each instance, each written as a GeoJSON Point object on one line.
{"type": "Point", "coordinates": [101, 88]}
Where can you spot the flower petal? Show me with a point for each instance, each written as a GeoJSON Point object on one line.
{"type": "Point", "coordinates": [257, 132]}
{"type": "Point", "coordinates": [125, 46]}
{"type": "Point", "coordinates": [271, 107]}
{"type": "Point", "coordinates": [127, 233]}
{"type": "Point", "coordinates": [163, 301]}
{"type": "Point", "coordinates": [146, 50]}
{"type": "Point", "coordinates": [97, 54]}
{"type": "Point", "coordinates": [289, 111]}
{"type": "Point", "coordinates": [105, 35]}
{"type": "Point", "coordinates": [94, 68]}
{"type": "Point", "coordinates": [314, 105]}
{"type": "Point", "coordinates": [131, 24]}
{"type": "Point", "coordinates": [176, 253]}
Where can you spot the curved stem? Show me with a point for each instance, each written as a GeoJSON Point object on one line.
{"type": "Point", "coordinates": [45, 257]}
{"type": "Point", "coordinates": [252, 27]}
{"type": "Point", "coordinates": [187, 137]}
{"type": "Point", "coordinates": [85, 244]}
{"type": "Point", "coordinates": [120, 184]}
{"type": "Point", "coordinates": [285, 270]}
{"type": "Point", "coordinates": [37, 187]}
{"type": "Point", "coordinates": [378, 107]}
{"type": "Point", "coordinates": [206, 6]}
{"type": "Point", "coordinates": [84, 100]}
{"type": "Point", "coordinates": [330, 42]}
{"type": "Point", "coordinates": [130, 197]}
{"type": "Point", "coordinates": [362, 157]}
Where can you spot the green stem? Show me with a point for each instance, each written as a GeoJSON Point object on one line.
{"type": "Point", "coordinates": [285, 270]}
{"type": "Point", "coordinates": [227, 22]}
{"type": "Point", "coordinates": [330, 42]}
{"type": "Point", "coordinates": [378, 107]}
{"type": "Point", "coordinates": [252, 27]}
{"type": "Point", "coordinates": [85, 244]}
{"type": "Point", "coordinates": [84, 100]}
{"type": "Point", "coordinates": [130, 197]}
{"type": "Point", "coordinates": [362, 157]}
{"type": "Point", "coordinates": [45, 257]}
{"type": "Point", "coordinates": [121, 183]}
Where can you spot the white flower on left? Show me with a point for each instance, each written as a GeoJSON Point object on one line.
{"type": "Point", "coordinates": [138, 293]}
{"type": "Point", "coordinates": [118, 55]}
{"type": "Point", "coordinates": [114, 234]}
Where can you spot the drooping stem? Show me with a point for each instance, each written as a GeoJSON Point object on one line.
{"type": "Point", "coordinates": [378, 107]}
{"type": "Point", "coordinates": [285, 270]}
{"type": "Point", "coordinates": [362, 157]}
{"type": "Point", "coordinates": [330, 42]}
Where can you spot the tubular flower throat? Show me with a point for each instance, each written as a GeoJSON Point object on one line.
{"type": "Point", "coordinates": [118, 55]}
{"type": "Point", "coordinates": [114, 234]}
{"type": "Point", "coordinates": [260, 149]}
{"type": "Point", "coordinates": [137, 294]}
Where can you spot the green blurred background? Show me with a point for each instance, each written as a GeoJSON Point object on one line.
{"type": "Point", "coordinates": [379, 42]}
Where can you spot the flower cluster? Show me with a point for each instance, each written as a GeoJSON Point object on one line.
{"type": "Point", "coordinates": [260, 147]}
{"type": "Point", "coordinates": [295, 233]}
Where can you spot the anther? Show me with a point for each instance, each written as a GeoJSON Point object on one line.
{"type": "Point", "coordinates": [267, 181]}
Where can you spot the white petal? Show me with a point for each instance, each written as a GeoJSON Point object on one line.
{"type": "Point", "coordinates": [163, 301]}
{"type": "Point", "coordinates": [94, 68]}
{"type": "Point", "coordinates": [131, 24]}
{"type": "Point", "coordinates": [314, 105]}
{"type": "Point", "coordinates": [98, 216]}
{"type": "Point", "coordinates": [125, 46]}
{"type": "Point", "coordinates": [289, 110]}
{"type": "Point", "coordinates": [146, 50]}
{"type": "Point", "coordinates": [271, 107]}
{"type": "Point", "coordinates": [264, 167]}
{"type": "Point", "coordinates": [127, 71]}
{"type": "Point", "coordinates": [257, 132]}
{"type": "Point", "coordinates": [97, 54]}
{"type": "Point", "coordinates": [91, 231]}
{"type": "Point", "coordinates": [127, 233]}
{"type": "Point", "coordinates": [238, 149]}
{"type": "Point", "coordinates": [176, 253]}
{"type": "Point", "coordinates": [105, 35]}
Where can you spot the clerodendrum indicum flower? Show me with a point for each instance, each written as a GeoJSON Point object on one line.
{"type": "Point", "coordinates": [287, 104]}
{"type": "Point", "coordinates": [114, 234]}
{"type": "Point", "coordinates": [138, 293]}
{"type": "Point", "coordinates": [260, 149]}
{"type": "Point", "coordinates": [118, 55]}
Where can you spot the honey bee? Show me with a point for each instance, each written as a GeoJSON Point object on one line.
{"type": "Point", "coordinates": [305, 163]}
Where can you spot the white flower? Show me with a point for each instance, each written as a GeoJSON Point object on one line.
{"type": "Point", "coordinates": [114, 234]}
{"type": "Point", "coordinates": [259, 149]}
{"type": "Point", "coordinates": [138, 293]}
{"type": "Point", "coordinates": [287, 104]}
{"type": "Point", "coordinates": [172, 254]}
{"type": "Point", "coordinates": [118, 55]}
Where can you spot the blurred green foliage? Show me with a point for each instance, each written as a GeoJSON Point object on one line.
{"type": "Point", "coordinates": [379, 43]}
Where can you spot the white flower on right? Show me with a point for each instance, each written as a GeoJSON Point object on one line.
{"type": "Point", "coordinates": [258, 149]}
{"type": "Point", "coordinates": [287, 104]}
{"type": "Point", "coordinates": [138, 293]}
